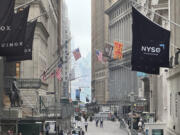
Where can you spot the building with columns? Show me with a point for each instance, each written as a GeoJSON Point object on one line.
{"type": "Point", "coordinates": [121, 80]}
{"type": "Point", "coordinates": [165, 94]}
{"type": "Point", "coordinates": [45, 54]}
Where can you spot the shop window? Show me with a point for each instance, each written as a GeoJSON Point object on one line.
{"type": "Point", "coordinates": [157, 132]}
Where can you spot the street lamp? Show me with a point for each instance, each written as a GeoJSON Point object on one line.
{"type": "Point", "coordinates": [132, 100]}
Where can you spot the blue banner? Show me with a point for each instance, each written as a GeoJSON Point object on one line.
{"type": "Point", "coordinates": [77, 94]}
{"type": "Point", "coordinates": [141, 74]}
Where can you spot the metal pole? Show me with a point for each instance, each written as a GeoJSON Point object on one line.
{"type": "Point", "coordinates": [39, 16]}
{"type": "Point", "coordinates": [16, 127]}
{"type": "Point", "coordinates": [55, 98]}
{"type": "Point", "coordinates": [131, 116]}
{"type": "Point", "coordinates": [24, 4]}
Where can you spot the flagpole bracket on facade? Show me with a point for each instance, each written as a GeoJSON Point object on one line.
{"type": "Point", "coordinates": [25, 4]}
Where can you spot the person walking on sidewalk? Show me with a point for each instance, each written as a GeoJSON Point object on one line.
{"type": "Point", "coordinates": [86, 125]}
{"type": "Point", "coordinates": [97, 121]}
{"type": "Point", "coordinates": [101, 122]}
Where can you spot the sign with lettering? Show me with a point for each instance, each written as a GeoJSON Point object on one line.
{"type": "Point", "coordinates": [12, 43]}
{"type": "Point", "coordinates": [150, 46]}
{"type": "Point", "coordinates": [27, 44]}
{"type": "Point", "coordinates": [6, 17]}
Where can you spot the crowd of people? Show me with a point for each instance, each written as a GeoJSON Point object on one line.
{"type": "Point", "coordinates": [101, 122]}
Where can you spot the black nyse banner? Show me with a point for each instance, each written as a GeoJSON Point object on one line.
{"type": "Point", "coordinates": [27, 44]}
{"type": "Point", "coordinates": [146, 69]}
{"type": "Point", "coordinates": [6, 17]}
{"type": "Point", "coordinates": [12, 44]}
{"type": "Point", "coordinates": [150, 45]}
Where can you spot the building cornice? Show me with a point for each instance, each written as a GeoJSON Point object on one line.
{"type": "Point", "coordinates": [115, 5]}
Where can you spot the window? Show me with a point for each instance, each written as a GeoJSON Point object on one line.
{"type": "Point", "coordinates": [157, 132]}
{"type": "Point", "coordinates": [18, 69]}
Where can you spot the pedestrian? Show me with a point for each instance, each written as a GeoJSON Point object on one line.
{"type": "Point", "coordinates": [83, 132]}
{"type": "Point", "coordinates": [47, 128]}
{"type": "Point", "coordinates": [86, 125]}
{"type": "Point", "coordinates": [61, 132]}
{"type": "Point", "coordinates": [140, 124]}
{"type": "Point", "coordinates": [101, 122]}
{"type": "Point", "coordinates": [97, 121]}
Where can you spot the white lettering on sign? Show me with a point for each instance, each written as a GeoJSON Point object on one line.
{"type": "Point", "coordinates": [5, 28]}
{"type": "Point", "coordinates": [11, 44]}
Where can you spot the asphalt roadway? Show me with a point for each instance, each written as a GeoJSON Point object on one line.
{"type": "Point", "coordinates": [109, 128]}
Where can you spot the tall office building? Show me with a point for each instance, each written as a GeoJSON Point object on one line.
{"type": "Point", "coordinates": [66, 48]}
{"type": "Point", "coordinates": [98, 40]}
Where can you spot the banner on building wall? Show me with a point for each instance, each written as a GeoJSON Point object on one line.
{"type": "Point", "coordinates": [6, 17]}
{"type": "Point", "coordinates": [78, 94]}
{"type": "Point", "coordinates": [118, 50]}
{"type": "Point", "coordinates": [12, 43]}
{"type": "Point", "coordinates": [28, 43]}
{"type": "Point", "coordinates": [108, 51]}
{"type": "Point", "coordinates": [150, 47]}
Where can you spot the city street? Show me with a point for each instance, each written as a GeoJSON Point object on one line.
{"type": "Point", "coordinates": [110, 128]}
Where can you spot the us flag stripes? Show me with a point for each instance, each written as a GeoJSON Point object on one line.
{"type": "Point", "coordinates": [59, 72]}
{"type": "Point", "coordinates": [99, 56]}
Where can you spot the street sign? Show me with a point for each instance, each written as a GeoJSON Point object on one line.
{"type": "Point", "coordinates": [29, 83]}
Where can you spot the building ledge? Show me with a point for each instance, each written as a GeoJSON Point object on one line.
{"type": "Point", "coordinates": [163, 6]}
{"type": "Point", "coordinates": [173, 72]}
{"type": "Point", "coordinates": [116, 4]}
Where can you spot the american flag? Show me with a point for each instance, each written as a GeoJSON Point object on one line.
{"type": "Point", "coordinates": [77, 54]}
{"type": "Point", "coordinates": [44, 76]}
{"type": "Point", "coordinates": [58, 72]}
{"type": "Point", "coordinates": [99, 55]}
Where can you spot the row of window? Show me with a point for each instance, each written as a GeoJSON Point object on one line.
{"type": "Point", "coordinates": [100, 74]}
{"type": "Point", "coordinates": [121, 30]}
{"type": "Point", "coordinates": [176, 105]}
{"type": "Point", "coordinates": [121, 9]}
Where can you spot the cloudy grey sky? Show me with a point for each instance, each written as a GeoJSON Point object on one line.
{"type": "Point", "coordinates": [79, 12]}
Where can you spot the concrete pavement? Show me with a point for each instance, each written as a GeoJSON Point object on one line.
{"type": "Point", "coordinates": [110, 128]}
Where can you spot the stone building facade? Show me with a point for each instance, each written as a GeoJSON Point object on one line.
{"type": "Point", "coordinates": [122, 81]}
{"type": "Point", "coordinates": [99, 21]}
{"type": "Point", "coordinates": [44, 53]}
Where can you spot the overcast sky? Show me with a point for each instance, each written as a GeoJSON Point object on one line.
{"type": "Point", "coordinates": [79, 12]}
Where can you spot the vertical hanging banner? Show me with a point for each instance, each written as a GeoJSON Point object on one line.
{"type": "Point", "coordinates": [28, 43]}
{"type": "Point", "coordinates": [108, 51]}
{"type": "Point", "coordinates": [12, 43]}
{"type": "Point", "coordinates": [150, 47]}
{"type": "Point", "coordinates": [117, 50]}
{"type": "Point", "coordinates": [6, 17]}
{"type": "Point", "coordinates": [78, 94]}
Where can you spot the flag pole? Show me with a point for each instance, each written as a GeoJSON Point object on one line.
{"type": "Point", "coordinates": [45, 13]}
{"type": "Point", "coordinates": [24, 4]}
{"type": "Point", "coordinates": [176, 24]}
